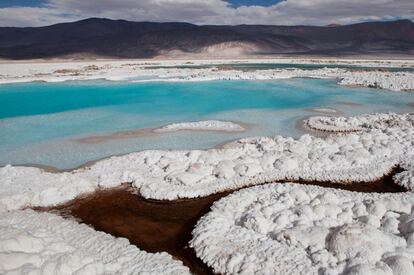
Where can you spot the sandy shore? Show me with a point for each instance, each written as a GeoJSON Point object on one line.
{"type": "Point", "coordinates": [324, 111]}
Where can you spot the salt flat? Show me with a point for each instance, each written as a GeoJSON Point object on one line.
{"type": "Point", "coordinates": [148, 71]}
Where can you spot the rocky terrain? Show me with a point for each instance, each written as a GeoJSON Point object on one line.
{"type": "Point", "coordinates": [124, 39]}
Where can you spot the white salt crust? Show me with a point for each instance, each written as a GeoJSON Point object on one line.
{"type": "Point", "coordinates": [361, 122]}
{"type": "Point", "coordinates": [372, 121]}
{"type": "Point", "coordinates": [205, 125]}
{"type": "Point", "coordinates": [141, 71]}
{"type": "Point", "coordinates": [297, 229]}
{"type": "Point", "coordinates": [44, 243]}
{"type": "Point", "coordinates": [363, 156]}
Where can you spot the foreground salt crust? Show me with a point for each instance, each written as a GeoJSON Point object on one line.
{"type": "Point", "coordinates": [364, 156]}
{"type": "Point", "coordinates": [144, 71]}
{"type": "Point", "coordinates": [205, 125]}
{"type": "Point", "coordinates": [44, 243]}
{"type": "Point", "coordinates": [297, 229]}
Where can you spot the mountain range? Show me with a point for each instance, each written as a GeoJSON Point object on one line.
{"type": "Point", "coordinates": [97, 37]}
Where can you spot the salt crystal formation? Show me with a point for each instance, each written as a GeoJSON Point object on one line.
{"type": "Point", "coordinates": [374, 121]}
{"type": "Point", "coordinates": [43, 243]}
{"type": "Point", "coordinates": [297, 229]}
{"type": "Point", "coordinates": [276, 228]}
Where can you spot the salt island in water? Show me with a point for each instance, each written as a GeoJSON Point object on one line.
{"type": "Point", "coordinates": [252, 179]}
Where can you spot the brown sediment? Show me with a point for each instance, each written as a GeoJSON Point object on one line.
{"type": "Point", "coordinates": [117, 135]}
{"type": "Point", "coordinates": [46, 168]}
{"type": "Point", "coordinates": [148, 132]}
{"type": "Point", "coordinates": [52, 169]}
{"type": "Point", "coordinates": [153, 226]}
{"type": "Point", "coordinates": [348, 103]}
{"type": "Point", "coordinates": [321, 110]}
{"type": "Point", "coordinates": [156, 226]}
{"type": "Point", "coordinates": [303, 127]}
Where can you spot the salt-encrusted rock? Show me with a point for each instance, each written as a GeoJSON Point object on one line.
{"type": "Point", "coordinates": [296, 229]}
{"type": "Point", "coordinates": [406, 178]}
{"type": "Point", "coordinates": [400, 265]}
{"type": "Point", "coordinates": [44, 243]}
{"type": "Point", "coordinates": [361, 239]}
{"type": "Point", "coordinates": [224, 169]}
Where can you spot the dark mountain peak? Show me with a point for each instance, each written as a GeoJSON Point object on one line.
{"type": "Point", "coordinates": [128, 39]}
{"type": "Point", "coordinates": [107, 21]}
{"type": "Point", "coordinates": [403, 21]}
{"type": "Point", "coordinates": [96, 20]}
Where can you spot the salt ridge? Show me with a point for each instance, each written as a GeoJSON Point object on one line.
{"type": "Point", "coordinates": [360, 122]}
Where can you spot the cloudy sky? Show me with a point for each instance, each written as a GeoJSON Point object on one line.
{"type": "Point", "coordinates": [276, 12]}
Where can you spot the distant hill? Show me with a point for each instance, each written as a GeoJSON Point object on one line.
{"type": "Point", "coordinates": [125, 39]}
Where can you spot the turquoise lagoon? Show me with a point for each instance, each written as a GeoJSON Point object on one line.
{"type": "Point", "coordinates": [41, 123]}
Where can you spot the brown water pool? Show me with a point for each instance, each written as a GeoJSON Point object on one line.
{"type": "Point", "coordinates": [156, 226]}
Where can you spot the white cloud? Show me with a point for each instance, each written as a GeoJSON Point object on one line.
{"type": "Point", "coordinates": [28, 16]}
{"type": "Point", "coordinates": [289, 12]}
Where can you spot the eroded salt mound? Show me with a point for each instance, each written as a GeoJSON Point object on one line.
{"type": "Point", "coordinates": [43, 243]}
{"type": "Point", "coordinates": [297, 229]}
